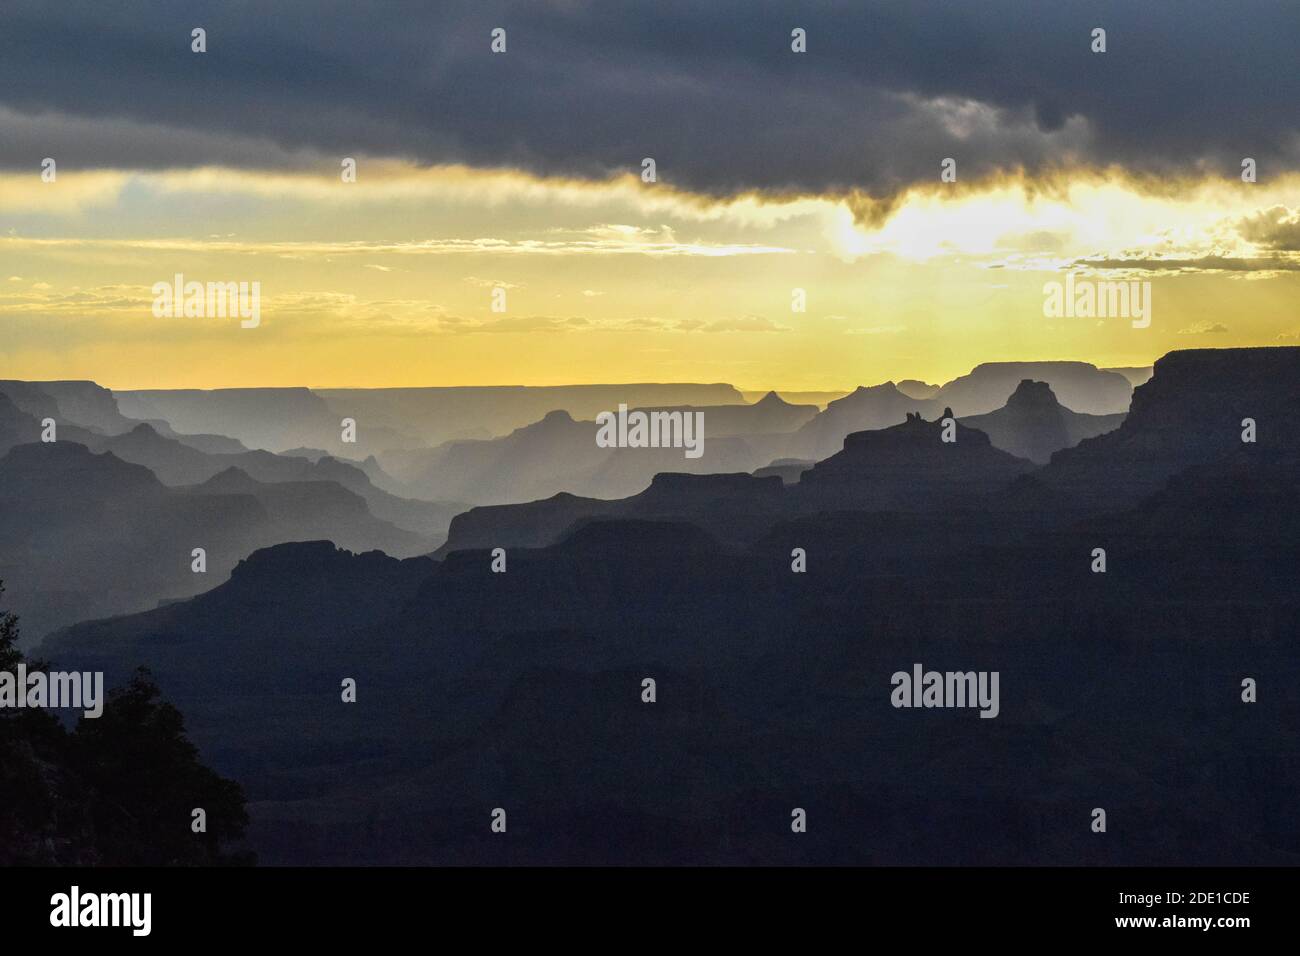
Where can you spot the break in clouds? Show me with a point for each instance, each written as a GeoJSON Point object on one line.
{"type": "Point", "coordinates": [587, 89]}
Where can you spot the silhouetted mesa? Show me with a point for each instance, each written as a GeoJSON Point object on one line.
{"type": "Point", "coordinates": [735, 508]}
{"type": "Point", "coordinates": [1190, 413]}
{"type": "Point", "coordinates": [917, 389]}
{"type": "Point", "coordinates": [908, 467]}
{"type": "Point", "coordinates": [1033, 424]}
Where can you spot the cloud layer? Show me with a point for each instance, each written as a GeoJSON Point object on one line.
{"type": "Point", "coordinates": [711, 91]}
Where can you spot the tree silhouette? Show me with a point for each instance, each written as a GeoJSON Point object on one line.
{"type": "Point", "coordinates": [119, 790]}
{"type": "Point", "coordinates": [149, 780]}
{"type": "Point", "coordinates": [40, 818]}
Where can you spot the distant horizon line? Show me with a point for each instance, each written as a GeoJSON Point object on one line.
{"type": "Point", "coordinates": [598, 384]}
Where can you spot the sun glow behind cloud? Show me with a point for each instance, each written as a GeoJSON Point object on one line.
{"type": "Point", "coordinates": [351, 271]}
{"type": "Point", "coordinates": [1088, 215]}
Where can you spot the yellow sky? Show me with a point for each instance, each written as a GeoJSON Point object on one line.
{"type": "Point", "coordinates": [389, 281]}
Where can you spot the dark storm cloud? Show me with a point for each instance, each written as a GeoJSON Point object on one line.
{"type": "Point", "coordinates": [709, 89]}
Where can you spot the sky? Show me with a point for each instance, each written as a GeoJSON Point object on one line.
{"type": "Point", "coordinates": [782, 179]}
